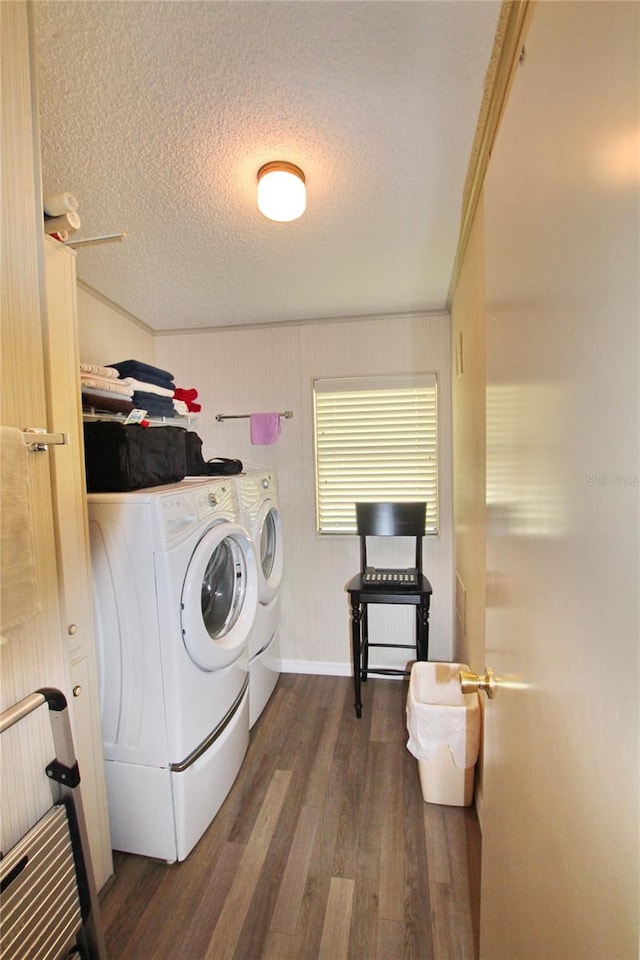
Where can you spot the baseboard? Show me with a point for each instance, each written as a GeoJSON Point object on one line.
{"type": "Point", "coordinates": [319, 667]}
{"type": "Point", "coordinates": [323, 668]}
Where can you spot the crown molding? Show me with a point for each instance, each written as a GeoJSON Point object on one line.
{"type": "Point", "coordinates": [508, 47]}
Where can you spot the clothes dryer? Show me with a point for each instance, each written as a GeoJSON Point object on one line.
{"type": "Point", "coordinates": [176, 596]}
{"type": "Point", "coordinates": [260, 513]}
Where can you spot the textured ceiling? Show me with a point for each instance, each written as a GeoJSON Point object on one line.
{"type": "Point", "coordinates": [158, 115]}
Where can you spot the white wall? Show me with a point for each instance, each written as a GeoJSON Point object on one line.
{"type": "Point", "coordinates": [107, 334]}
{"type": "Point", "coordinates": [32, 652]}
{"type": "Point", "coordinates": [271, 369]}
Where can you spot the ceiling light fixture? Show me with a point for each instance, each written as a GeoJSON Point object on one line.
{"type": "Point", "coordinates": [282, 194]}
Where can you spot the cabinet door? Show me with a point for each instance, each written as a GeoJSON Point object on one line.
{"type": "Point", "coordinates": [88, 746]}
{"type": "Point", "coordinates": [72, 543]}
{"type": "Point", "coordinates": [32, 652]}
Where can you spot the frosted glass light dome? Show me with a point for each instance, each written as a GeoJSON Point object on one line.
{"type": "Point", "coordinates": [282, 194]}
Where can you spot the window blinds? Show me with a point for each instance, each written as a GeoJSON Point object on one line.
{"type": "Point", "coordinates": [376, 438]}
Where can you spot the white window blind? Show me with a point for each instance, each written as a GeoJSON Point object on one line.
{"type": "Point", "coordinates": [376, 438]}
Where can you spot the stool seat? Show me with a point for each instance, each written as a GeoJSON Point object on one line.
{"type": "Point", "coordinates": [389, 585]}
{"type": "Point", "coordinates": [406, 585]}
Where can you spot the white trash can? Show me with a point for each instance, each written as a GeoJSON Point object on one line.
{"type": "Point", "coordinates": [444, 732]}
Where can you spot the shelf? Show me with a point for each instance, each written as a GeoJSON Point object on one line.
{"type": "Point", "coordinates": [90, 413]}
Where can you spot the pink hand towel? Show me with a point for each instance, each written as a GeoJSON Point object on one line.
{"type": "Point", "coordinates": [265, 427]}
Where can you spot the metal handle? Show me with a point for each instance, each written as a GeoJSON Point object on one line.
{"type": "Point", "coordinates": [472, 682]}
{"type": "Point", "coordinates": [38, 439]}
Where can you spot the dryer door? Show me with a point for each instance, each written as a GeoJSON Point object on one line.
{"type": "Point", "coordinates": [219, 597]}
{"type": "Point", "coordinates": [268, 541]}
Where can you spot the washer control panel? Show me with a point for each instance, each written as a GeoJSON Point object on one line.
{"type": "Point", "coordinates": [215, 500]}
{"type": "Point", "coordinates": [177, 515]}
{"type": "Point", "coordinates": [180, 510]}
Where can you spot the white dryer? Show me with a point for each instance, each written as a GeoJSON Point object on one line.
{"type": "Point", "coordinates": [176, 596]}
{"type": "Point", "coordinates": [260, 514]}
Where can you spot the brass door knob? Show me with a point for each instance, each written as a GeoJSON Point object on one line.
{"type": "Point", "coordinates": [472, 682]}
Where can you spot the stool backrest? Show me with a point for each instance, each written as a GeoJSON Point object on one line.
{"type": "Point", "coordinates": [391, 520]}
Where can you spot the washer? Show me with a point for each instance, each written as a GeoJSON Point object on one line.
{"type": "Point", "coordinates": [176, 596]}
{"type": "Point", "coordinates": [259, 512]}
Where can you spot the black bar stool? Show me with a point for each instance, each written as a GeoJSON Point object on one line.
{"type": "Point", "coordinates": [371, 585]}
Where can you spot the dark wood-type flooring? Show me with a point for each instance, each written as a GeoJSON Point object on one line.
{"type": "Point", "coordinates": [323, 850]}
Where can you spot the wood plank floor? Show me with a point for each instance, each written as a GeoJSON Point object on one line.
{"type": "Point", "coordinates": [323, 849]}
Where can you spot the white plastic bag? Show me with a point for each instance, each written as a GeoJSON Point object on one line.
{"type": "Point", "coordinates": [439, 713]}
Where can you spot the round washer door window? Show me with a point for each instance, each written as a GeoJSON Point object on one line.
{"type": "Point", "coordinates": [219, 597]}
{"type": "Point", "coordinates": [269, 542]}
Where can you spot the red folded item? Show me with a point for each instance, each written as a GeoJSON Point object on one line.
{"type": "Point", "coordinates": [188, 395]}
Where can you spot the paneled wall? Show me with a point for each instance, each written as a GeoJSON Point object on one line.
{"type": "Point", "coordinates": [108, 334]}
{"type": "Point", "coordinates": [468, 406]}
{"type": "Point", "coordinates": [272, 369]}
{"type": "Point", "coordinates": [469, 461]}
{"type": "Point", "coordinates": [31, 653]}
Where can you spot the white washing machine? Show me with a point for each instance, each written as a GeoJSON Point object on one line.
{"type": "Point", "coordinates": [176, 596]}
{"type": "Point", "coordinates": [259, 512]}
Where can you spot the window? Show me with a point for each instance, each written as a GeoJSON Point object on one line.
{"type": "Point", "coordinates": [376, 438]}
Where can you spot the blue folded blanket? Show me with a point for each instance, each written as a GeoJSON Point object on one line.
{"type": "Point", "coordinates": [144, 371]}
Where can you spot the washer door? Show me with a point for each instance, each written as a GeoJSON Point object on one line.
{"type": "Point", "coordinates": [268, 542]}
{"type": "Point", "coordinates": [219, 597]}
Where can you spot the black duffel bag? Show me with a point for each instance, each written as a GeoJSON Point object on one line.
{"type": "Point", "coordinates": [197, 466]}
{"type": "Point", "coordinates": [128, 456]}
{"type": "Point", "coordinates": [222, 467]}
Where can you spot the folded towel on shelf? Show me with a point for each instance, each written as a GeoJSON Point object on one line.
{"type": "Point", "coordinates": [99, 392]}
{"type": "Point", "coordinates": [265, 428]}
{"type": "Point", "coordinates": [148, 387]}
{"type": "Point", "coordinates": [98, 370]}
{"type": "Point", "coordinates": [105, 402]}
{"type": "Point", "coordinates": [155, 406]}
{"type": "Point", "coordinates": [105, 383]}
{"type": "Point", "coordinates": [19, 587]}
{"type": "Point", "coordinates": [180, 408]}
{"type": "Point", "coordinates": [143, 371]}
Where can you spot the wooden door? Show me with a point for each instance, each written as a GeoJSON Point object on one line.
{"type": "Point", "coordinates": [560, 822]}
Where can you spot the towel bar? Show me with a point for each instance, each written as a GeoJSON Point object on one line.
{"type": "Point", "coordinates": [286, 414]}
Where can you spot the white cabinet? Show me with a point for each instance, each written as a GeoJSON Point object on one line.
{"type": "Point", "coordinates": [72, 543]}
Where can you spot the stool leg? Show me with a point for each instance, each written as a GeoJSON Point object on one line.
{"type": "Point", "coordinates": [365, 641]}
{"type": "Point", "coordinates": [422, 630]}
{"type": "Point", "coordinates": [355, 613]}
